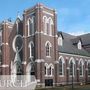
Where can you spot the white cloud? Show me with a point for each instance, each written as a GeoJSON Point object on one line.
{"type": "Point", "coordinates": [77, 33]}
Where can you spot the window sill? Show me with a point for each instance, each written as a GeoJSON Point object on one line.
{"type": "Point", "coordinates": [48, 56]}
{"type": "Point", "coordinates": [48, 75]}
{"type": "Point", "coordinates": [81, 75]}
{"type": "Point", "coordinates": [88, 75]}
{"type": "Point", "coordinates": [71, 76]}
{"type": "Point", "coordinates": [61, 75]}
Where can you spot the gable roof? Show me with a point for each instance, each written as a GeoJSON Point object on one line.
{"type": "Point", "coordinates": [69, 47]}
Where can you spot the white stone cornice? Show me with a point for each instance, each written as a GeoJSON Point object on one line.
{"type": "Point", "coordinates": [24, 62]}
{"type": "Point", "coordinates": [74, 55]}
{"type": "Point", "coordinates": [39, 60]}
{"type": "Point", "coordinates": [4, 65]}
{"type": "Point", "coordinates": [56, 62]}
{"type": "Point", "coordinates": [48, 13]}
{"type": "Point", "coordinates": [78, 68]}
{"type": "Point", "coordinates": [5, 44]}
{"type": "Point", "coordinates": [68, 68]}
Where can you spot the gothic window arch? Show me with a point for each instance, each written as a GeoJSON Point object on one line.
{"type": "Point", "coordinates": [50, 69]}
{"type": "Point", "coordinates": [31, 25]}
{"type": "Point", "coordinates": [45, 24]}
{"type": "Point", "coordinates": [48, 48]}
{"type": "Point", "coordinates": [72, 66]}
{"type": "Point", "coordinates": [89, 68]}
{"type": "Point", "coordinates": [61, 65]}
{"type": "Point", "coordinates": [17, 24]}
{"type": "Point", "coordinates": [31, 47]}
{"type": "Point", "coordinates": [46, 69]}
{"type": "Point", "coordinates": [50, 23]}
{"type": "Point", "coordinates": [81, 64]}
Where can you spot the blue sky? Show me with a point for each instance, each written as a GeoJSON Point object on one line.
{"type": "Point", "coordinates": [73, 16]}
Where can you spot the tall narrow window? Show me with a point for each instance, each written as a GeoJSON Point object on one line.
{"type": "Point", "coordinates": [89, 68]}
{"type": "Point", "coordinates": [45, 70]}
{"type": "Point", "coordinates": [72, 67]}
{"type": "Point", "coordinates": [50, 23]}
{"type": "Point", "coordinates": [45, 24]}
{"type": "Point", "coordinates": [61, 65]}
{"type": "Point", "coordinates": [48, 48]}
{"type": "Point", "coordinates": [30, 27]}
{"type": "Point", "coordinates": [50, 71]}
{"type": "Point", "coordinates": [17, 26]}
{"type": "Point", "coordinates": [31, 46]}
{"type": "Point", "coordinates": [33, 25]}
{"type": "Point", "coordinates": [81, 68]}
{"type": "Point", "coordinates": [0, 37]}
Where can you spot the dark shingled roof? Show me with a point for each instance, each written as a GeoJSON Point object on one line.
{"type": "Point", "coordinates": [68, 44]}
{"type": "Point", "coordinates": [85, 39]}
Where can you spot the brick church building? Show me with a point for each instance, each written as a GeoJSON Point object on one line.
{"type": "Point", "coordinates": [33, 45]}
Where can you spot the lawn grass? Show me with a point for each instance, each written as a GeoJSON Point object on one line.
{"type": "Point", "coordinates": [84, 87]}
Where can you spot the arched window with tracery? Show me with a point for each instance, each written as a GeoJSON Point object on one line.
{"type": "Point", "coordinates": [72, 66]}
{"type": "Point", "coordinates": [31, 51]}
{"type": "Point", "coordinates": [48, 48]}
{"type": "Point", "coordinates": [50, 25]}
{"type": "Point", "coordinates": [81, 67]}
{"type": "Point", "coordinates": [50, 69]}
{"type": "Point", "coordinates": [61, 66]}
{"type": "Point", "coordinates": [45, 24]}
{"type": "Point", "coordinates": [31, 25]}
{"type": "Point", "coordinates": [88, 68]}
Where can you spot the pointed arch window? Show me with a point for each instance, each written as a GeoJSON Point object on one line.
{"type": "Point", "coordinates": [48, 48]}
{"type": "Point", "coordinates": [89, 68]}
{"type": "Point", "coordinates": [31, 46]}
{"type": "Point", "coordinates": [50, 23]}
{"type": "Point", "coordinates": [45, 70]}
{"type": "Point", "coordinates": [31, 25]}
{"type": "Point", "coordinates": [72, 67]}
{"type": "Point", "coordinates": [81, 68]}
{"type": "Point", "coordinates": [17, 25]}
{"type": "Point", "coordinates": [50, 71]}
{"type": "Point", "coordinates": [61, 66]}
{"type": "Point", "coordinates": [45, 24]}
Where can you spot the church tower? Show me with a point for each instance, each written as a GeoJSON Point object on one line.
{"type": "Point", "coordinates": [40, 42]}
